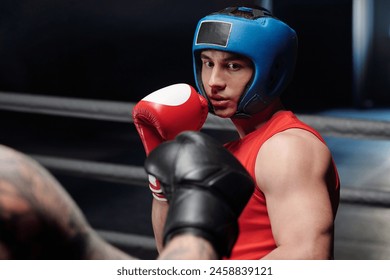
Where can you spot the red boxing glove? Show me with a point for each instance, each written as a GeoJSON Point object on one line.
{"type": "Point", "coordinates": [163, 114]}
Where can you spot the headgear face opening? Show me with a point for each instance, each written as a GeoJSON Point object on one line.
{"type": "Point", "coordinates": [269, 43]}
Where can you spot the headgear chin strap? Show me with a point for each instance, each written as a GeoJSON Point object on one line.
{"type": "Point", "coordinates": [269, 43]}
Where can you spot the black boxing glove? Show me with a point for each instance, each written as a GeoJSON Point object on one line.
{"type": "Point", "coordinates": [206, 186]}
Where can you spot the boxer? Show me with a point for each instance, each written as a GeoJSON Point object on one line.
{"type": "Point", "coordinates": [243, 60]}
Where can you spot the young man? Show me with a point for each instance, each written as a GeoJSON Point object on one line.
{"type": "Point", "coordinates": [243, 60]}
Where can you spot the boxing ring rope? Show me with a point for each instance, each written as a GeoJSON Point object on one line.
{"type": "Point", "coordinates": [110, 172]}
{"type": "Point", "coordinates": [136, 176]}
{"type": "Point", "coordinates": [68, 107]}
{"type": "Point", "coordinates": [121, 112]}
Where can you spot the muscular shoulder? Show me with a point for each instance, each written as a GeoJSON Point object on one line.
{"type": "Point", "coordinates": [295, 142]}
{"type": "Point", "coordinates": [292, 155]}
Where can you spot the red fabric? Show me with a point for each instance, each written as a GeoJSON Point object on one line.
{"type": "Point", "coordinates": [256, 239]}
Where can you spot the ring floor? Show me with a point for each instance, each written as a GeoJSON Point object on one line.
{"type": "Point", "coordinates": [362, 232]}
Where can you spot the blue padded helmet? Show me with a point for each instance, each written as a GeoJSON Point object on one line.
{"type": "Point", "coordinates": [269, 43]}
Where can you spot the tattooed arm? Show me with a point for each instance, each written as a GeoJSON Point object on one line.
{"type": "Point", "coordinates": [38, 219]}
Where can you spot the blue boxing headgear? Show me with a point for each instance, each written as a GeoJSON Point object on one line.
{"type": "Point", "coordinates": [269, 43]}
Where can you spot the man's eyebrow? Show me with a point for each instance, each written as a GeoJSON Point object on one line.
{"type": "Point", "coordinates": [230, 57]}
{"type": "Point", "coordinates": [203, 56]}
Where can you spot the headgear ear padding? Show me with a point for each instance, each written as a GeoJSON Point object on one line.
{"type": "Point", "coordinates": [269, 43]}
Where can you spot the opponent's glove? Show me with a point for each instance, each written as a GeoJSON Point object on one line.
{"type": "Point", "coordinates": [163, 114]}
{"type": "Point", "coordinates": [206, 186]}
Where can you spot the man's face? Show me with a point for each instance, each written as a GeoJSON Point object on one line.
{"type": "Point", "coordinates": [224, 77]}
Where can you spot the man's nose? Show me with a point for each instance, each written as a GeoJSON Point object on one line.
{"type": "Point", "coordinates": [217, 79]}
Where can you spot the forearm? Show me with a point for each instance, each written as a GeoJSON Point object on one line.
{"type": "Point", "coordinates": [188, 247]}
{"type": "Point", "coordinates": [98, 249]}
{"type": "Point", "coordinates": [159, 216]}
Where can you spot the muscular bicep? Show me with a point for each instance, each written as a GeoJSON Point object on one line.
{"type": "Point", "coordinates": [291, 171]}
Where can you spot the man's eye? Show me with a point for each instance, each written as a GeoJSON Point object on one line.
{"type": "Point", "coordinates": [234, 66]}
{"type": "Point", "coordinates": [208, 63]}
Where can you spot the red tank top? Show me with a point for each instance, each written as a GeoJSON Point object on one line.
{"type": "Point", "coordinates": [255, 239]}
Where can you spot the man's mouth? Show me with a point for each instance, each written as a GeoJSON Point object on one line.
{"type": "Point", "coordinates": [216, 103]}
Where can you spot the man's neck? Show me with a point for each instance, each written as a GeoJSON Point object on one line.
{"type": "Point", "coordinates": [245, 126]}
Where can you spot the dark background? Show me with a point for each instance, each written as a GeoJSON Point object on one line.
{"type": "Point", "coordinates": [122, 50]}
